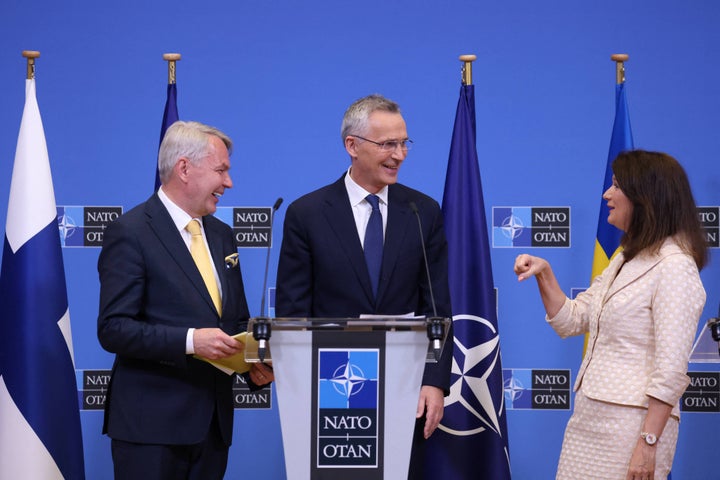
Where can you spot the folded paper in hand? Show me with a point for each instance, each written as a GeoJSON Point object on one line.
{"type": "Point", "coordinates": [234, 363]}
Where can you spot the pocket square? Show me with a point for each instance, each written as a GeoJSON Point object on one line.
{"type": "Point", "coordinates": [231, 261]}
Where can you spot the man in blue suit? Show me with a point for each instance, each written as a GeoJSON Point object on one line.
{"type": "Point", "coordinates": [170, 415]}
{"type": "Point", "coordinates": [323, 271]}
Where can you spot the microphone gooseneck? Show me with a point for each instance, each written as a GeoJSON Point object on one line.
{"type": "Point", "coordinates": [435, 325]}
{"type": "Point", "coordinates": [276, 205]}
{"type": "Point", "coordinates": [261, 329]}
{"type": "Point", "coordinates": [414, 208]}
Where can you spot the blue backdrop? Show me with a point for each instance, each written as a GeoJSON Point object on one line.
{"type": "Point", "coordinates": [277, 77]}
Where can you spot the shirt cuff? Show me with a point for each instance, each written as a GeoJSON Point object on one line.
{"type": "Point", "coordinates": [189, 344]}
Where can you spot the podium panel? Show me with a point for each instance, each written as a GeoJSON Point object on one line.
{"type": "Point", "coordinates": [347, 398]}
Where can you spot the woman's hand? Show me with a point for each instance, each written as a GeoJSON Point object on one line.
{"type": "Point", "coordinates": [642, 462]}
{"type": "Point", "coordinates": [527, 266]}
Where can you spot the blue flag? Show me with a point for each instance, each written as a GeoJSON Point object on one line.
{"type": "Point", "coordinates": [40, 435]}
{"type": "Point", "coordinates": [170, 116]}
{"type": "Point", "coordinates": [471, 442]}
{"type": "Point", "coordinates": [608, 237]}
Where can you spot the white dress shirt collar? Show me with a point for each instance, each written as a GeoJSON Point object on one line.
{"type": "Point", "coordinates": [357, 194]}
{"type": "Point", "coordinates": [179, 217]}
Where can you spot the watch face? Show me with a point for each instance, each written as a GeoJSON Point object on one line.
{"type": "Point", "coordinates": [650, 438]}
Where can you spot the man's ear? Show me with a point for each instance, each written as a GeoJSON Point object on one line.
{"type": "Point", "coordinates": [351, 145]}
{"type": "Point", "coordinates": [181, 168]}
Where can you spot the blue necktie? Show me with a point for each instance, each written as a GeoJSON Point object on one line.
{"type": "Point", "coordinates": [373, 245]}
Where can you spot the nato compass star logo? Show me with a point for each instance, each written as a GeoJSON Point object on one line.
{"type": "Point", "coordinates": [472, 406]}
{"type": "Point", "coordinates": [513, 389]}
{"type": "Point", "coordinates": [67, 227]}
{"type": "Point", "coordinates": [348, 380]}
{"type": "Point", "coordinates": [512, 227]}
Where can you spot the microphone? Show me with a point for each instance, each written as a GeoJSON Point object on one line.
{"type": "Point", "coordinates": [714, 325]}
{"type": "Point", "coordinates": [261, 329]}
{"type": "Point", "coordinates": [277, 204]}
{"type": "Point", "coordinates": [435, 325]}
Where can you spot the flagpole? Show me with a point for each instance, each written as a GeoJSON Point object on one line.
{"type": "Point", "coordinates": [171, 58]}
{"type": "Point", "coordinates": [619, 59]}
{"type": "Point", "coordinates": [467, 68]}
{"type": "Point", "coordinates": [31, 55]}
{"type": "Point", "coordinates": [170, 114]}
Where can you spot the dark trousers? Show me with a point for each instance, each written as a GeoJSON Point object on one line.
{"type": "Point", "coordinates": [206, 460]}
{"type": "Point", "coordinates": [417, 454]}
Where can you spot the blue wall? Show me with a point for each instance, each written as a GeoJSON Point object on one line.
{"type": "Point", "coordinates": [277, 77]}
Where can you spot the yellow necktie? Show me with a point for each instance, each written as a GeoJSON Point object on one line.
{"type": "Point", "coordinates": [202, 260]}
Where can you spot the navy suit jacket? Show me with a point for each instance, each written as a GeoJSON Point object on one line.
{"type": "Point", "coordinates": [322, 270]}
{"type": "Point", "coordinates": [151, 292]}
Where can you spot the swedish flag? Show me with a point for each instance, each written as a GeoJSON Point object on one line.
{"type": "Point", "coordinates": [607, 242]}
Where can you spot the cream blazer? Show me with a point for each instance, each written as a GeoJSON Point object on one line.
{"type": "Point", "coordinates": [641, 321]}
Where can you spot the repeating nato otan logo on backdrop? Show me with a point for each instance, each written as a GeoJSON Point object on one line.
{"type": "Point", "coordinates": [251, 225]}
{"type": "Point", "coordinates": [535, 389]}
{"type": "Point", "coordinates": [531, 227]}
{"type": "Point", "coordinates": [84, 226]}
{"type": "Point", "coordinates": [703, 393]}
{"type": "Point", "coordinates": [354, 386]}
{"type": "Point", "coordinates": [95, 384]}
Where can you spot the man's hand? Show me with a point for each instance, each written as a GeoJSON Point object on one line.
{"type": "Point", "coordinates": [261, 374]}
{"type": "Point", "coordinates": [431, 403]}
{"type": "Point", "coordinates": [213, 343]}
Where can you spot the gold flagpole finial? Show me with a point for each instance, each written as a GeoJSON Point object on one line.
{"type": "Point", "coordinates": [31, 55]}
{"type": "Point", "coordinates": [467, 68]}
{"type": "Point", "coordinates": [171, 59]}
{"type": "Point", "coordinates": [619, 58]}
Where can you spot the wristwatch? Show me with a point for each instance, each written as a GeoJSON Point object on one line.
{"type": "Point", "coordinates": [650, 438]}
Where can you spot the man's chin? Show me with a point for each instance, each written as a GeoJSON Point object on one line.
{"type": "Point", "coordinates": [210, 209]}
{"type": "Point", "coordinates": [389, 179]}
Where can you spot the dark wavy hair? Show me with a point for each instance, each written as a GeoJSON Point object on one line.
{"type": "Point", "coordinates": [663, 205]}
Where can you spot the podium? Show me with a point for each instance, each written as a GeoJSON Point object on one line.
{"type": "Point", "coordinates": [706, 349]}
{"type": "Point", "coordinates": [347, 391]}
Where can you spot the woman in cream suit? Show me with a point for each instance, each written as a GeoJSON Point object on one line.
{"type": "Point", "coordinates": [641, 315]}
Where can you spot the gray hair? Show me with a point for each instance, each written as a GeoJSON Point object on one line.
{"type": "Point", "coordinates": [190, 140]}
{"type": "Point", "coordinates": [356, 116]}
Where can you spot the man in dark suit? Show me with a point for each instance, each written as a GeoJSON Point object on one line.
{"type": "Point", "coordinates": [170, 415]}
{"type": "Point", "coordinates": [323, 271]}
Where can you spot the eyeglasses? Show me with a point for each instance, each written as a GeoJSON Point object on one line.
{"type": "Point", "coordinates": [390, 145]}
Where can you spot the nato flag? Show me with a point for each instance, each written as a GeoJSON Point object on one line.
{"type": "Point", "coordinates": [471, 442]}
